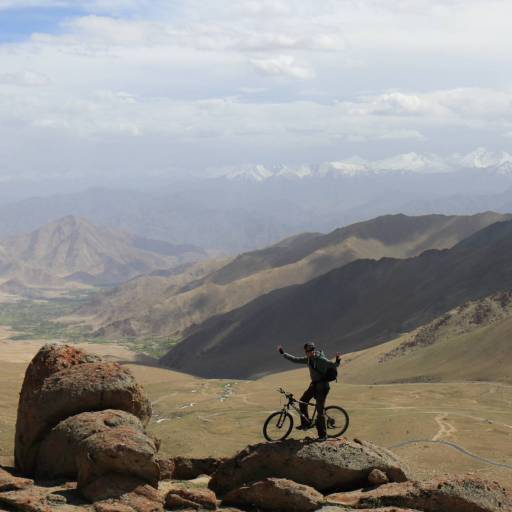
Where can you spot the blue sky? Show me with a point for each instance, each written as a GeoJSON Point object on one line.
{"type": "Point", "coordinates": [20, 23]}
{"type": "Point", "coordinates": [191, 84]}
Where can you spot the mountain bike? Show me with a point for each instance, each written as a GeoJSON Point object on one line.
{"type": "Point", "coordinates": [280, 423]}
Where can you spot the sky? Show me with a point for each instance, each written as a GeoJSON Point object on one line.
{"type": "Point", "coordinates": [102, 90]}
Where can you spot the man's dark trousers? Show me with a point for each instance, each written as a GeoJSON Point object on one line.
{"type": "Point", "coordinates": [318, 391]}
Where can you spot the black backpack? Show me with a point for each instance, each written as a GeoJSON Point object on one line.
{"type": "Point", "coordinates": [331, 373]}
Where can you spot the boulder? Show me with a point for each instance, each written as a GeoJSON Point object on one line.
{"type": "Point", "coordinates": [458, 494]}
{"type": "Point", "coordinates": [335, 464]}
{"type": "Point", "coordinates": [57, 453]}
{"type": "Point", "coordinates": [124, 450]}
{"type": "Point", "coordinates": [50, 359]}
{"type": "Point", "coordinates": [121, 491]}
{"type": "Point", "coordinates": [195, 499]}
{"type": "Point", "coordinates": [186, 468]}
{"type": "Point", "coordinates": [9, 482]}
{"type": "Point", "coordinates": [276, 494]}
{"type": "Point", "coordinates": [80, 388]}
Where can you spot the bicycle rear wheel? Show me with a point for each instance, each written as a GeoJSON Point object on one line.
{"type": "Point", "coordinates": [278, 426]}
{"type": "Point", "coordinates": [336, 420]}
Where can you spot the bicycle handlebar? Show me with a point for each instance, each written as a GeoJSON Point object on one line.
{"type": "Point", "coordinates": [287, 395]}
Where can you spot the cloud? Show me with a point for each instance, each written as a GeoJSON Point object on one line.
{"type": "Point", "coordinates": [283, 65]}
{"type": "Point", "coordinates": [23, 78]}
{"type": "Point", "coordinates": [260, 75]}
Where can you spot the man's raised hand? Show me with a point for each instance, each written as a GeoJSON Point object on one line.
{"type": "Point", "coordinates": [280, 349]}
{"type": "Point", "coordinates": [338, 356]}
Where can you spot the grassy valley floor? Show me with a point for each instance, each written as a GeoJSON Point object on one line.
{"type": "Point", "coordinates": [197, 417]}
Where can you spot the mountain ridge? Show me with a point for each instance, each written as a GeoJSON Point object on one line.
{"type": "Point", "coordinates": [353, 307]}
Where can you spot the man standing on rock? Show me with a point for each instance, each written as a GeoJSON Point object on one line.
{"type": "Point", "coordinates": [319, 369]}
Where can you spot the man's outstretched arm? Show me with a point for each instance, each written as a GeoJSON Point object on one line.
{"type": "Point", "coordinates": [293, 359]}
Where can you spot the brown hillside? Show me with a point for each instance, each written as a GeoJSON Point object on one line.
{"type": "Point", "coordinates": [468, 343]}
{"type": "Point", "coordinates": [76, 250]}
{"type": "Point", "coordinates": [295, 260]}
{"type": "Point", "coordinates": [353, 307]}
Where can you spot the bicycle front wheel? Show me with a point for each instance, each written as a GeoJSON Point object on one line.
{"type": "Point", "coordinates": [278, 426]}
{"type": "Point", "coordinates": [336, 420]}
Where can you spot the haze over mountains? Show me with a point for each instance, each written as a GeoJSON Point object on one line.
{"type": "Point", "coordinates": [249, 207]}
{"type": "Point", "coordinates": [170, 309]}
{"type": "Point", "coordinates": [358, 305]}
{"type": "Point", "coordinates": [72, 250]}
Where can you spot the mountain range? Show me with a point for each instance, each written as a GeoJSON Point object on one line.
{"type": "Point", "coordinates": [72, 250]}
{"type": "Point", "coordinates": [249, 207]}
{"type": "Point", "coordinates": [171, 309]}
{"type": "Point", "coordinates": [355, 306]}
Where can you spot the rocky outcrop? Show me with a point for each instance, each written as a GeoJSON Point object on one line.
{"type": "Point", "coordinates": [114, 492]}
{"type": "Point", "coordinates": [186, 468]}
{"type": "Point", "coordinates": [9, 482]}
{"type": "Point", "coordinates": [334, 464]}
{"type": "Point", "coordinates": [122, 450]}
{"type": "Point", "coordinates": [89, 425]}
{"type": "Point", "coordinates": [459, 494]}
{"type": "Point", "coordinates": [191, 499]}
{"type": "Point", "coordinates": [62, 382]}
{"type": "Point", "coordinates": [83, 418]}
{"type": "Point", "coordinates": [58, 452]}
{"type": "Point", "coordinates": [276, 494]}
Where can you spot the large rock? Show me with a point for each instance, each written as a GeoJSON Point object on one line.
{"type": "Point", "coordinates": [118, 492]}
{"type": "Point", "coordinates": [80, 388]}
{"type": "Point", "coordinates": [123, 450]}
{"type": "Point", "coordinates": [50, 359]}
{"type": "Point", "coordinates": [336, 464]}
{"type": "Point", "coordinates": [276, 494]}
{"type": "Point", "coordinates": [195, 499]}
{"type": "Point", "coordinates": [459, 494]}
{"type": "Point", "coordinates": [9, 482]}
{"type": "Point", "coordinates": [58, 451]}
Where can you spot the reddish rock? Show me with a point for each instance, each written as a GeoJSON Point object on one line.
{"type": "Point", "coordinates": [124, 450]}
{"type": "Point", "coordinates": [196, 499]}
{"type": "Point", "coordinates": [114, 489]}
{"type": "Point", "coordinates": [276, 494]}
{"type": "Point", "coordinates": [167, 468]}
{"type": "Point", "coordinates": [30, 499]}
{"type": "Point", "coordinates": [377, 477]}
{"type": "Point", "coordinates": [50, 359]}
{"type": "Point", "coordinates": [80, 388]}
{"type": "Point", "coordinates": [58, 451]}
{"type": "Point", "coordinates": [458, 494]}
{"type": "Point", "coordinates": [9, 482]}
{"type": "Point", "coordinates": [336, 464]}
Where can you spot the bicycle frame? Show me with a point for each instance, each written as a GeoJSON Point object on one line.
{"type": "Point", "coordinates": [291, 405]}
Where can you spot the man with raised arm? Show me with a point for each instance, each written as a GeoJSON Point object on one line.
{"type": "Point", "coordinates": [319, 370]}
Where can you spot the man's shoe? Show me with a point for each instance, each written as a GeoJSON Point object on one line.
{"type": "Point", "coordinates": [322, 438]}
{"type": "Point", "coordinates": [303, 427]}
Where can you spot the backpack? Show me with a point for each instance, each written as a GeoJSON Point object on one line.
{"type": "Point", "coordinates": [331, 373]}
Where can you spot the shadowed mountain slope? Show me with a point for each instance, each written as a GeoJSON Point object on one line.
{"type": "Point", "coordinates": [353, 307]}
{"type": "Point", "coordinates": [73, 249]}
{"type": "Point", "coordinates": [468, 343]}
{"type": "Point", "coordinates": [295, 260]}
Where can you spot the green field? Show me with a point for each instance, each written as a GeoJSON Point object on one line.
{"type": "Point", "coordinates": [39, 319]}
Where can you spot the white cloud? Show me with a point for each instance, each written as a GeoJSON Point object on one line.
{"type": "Point", "coordinates": [24, 78]}
{"type": "Point", "coordinates": [266, 74]}
{"type": "Point", "coordinates": [283, 65]}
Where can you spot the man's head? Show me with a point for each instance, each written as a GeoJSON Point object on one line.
{"type": "Point", "coordinates": [309, 348]}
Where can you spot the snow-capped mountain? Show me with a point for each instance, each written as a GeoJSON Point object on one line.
{"type": "Point", "coordinates": [427, 163]}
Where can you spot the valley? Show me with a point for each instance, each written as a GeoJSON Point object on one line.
{"type": "Point", "coordinates": [202, 417]}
